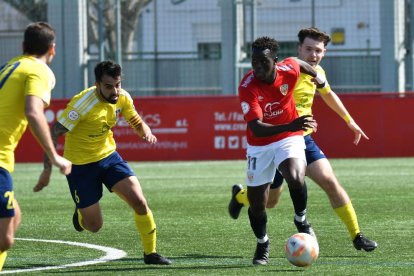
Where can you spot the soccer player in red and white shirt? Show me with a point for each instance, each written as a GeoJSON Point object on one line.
{"type": "Point", "coordinates": [312, 49]}
{"type": "Point", "coordinates": [274, 135]}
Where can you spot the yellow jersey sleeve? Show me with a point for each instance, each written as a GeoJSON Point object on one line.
{"type": "Point", "coordinates": [128, 108]}
{"type": "Point", "coordinates": [40, 82]}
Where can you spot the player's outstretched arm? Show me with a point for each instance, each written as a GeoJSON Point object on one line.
{"type": "Point", "coordinates": [333, 101]}
{"type": "Point", "coordinates": [57, 130]}
{"type": "Point", "coordinates": [40, 129]}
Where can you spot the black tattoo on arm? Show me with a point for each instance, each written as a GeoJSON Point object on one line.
{"type": "Point", "coordinates": [57, 130]}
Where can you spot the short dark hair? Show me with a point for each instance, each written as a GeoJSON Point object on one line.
{"type": "Point", "coordinates": [266, 42]}
{"type": "Point", "coordinates": [315, 34]}
{"type": "Point", "coordinates": [38, 38]}
{"type": "Point", "coordinates": [107, 67]}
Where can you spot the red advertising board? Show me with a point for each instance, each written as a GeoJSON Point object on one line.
{"type": "Point", "coordinates": [212, 128]}
{"type": "Point", "coordinates": [187, 128]}
{"type": "Point", "coordinates": [384, 117]}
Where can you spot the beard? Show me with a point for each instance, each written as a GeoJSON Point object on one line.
{"type": "Point", "coordinates": [113, 99]}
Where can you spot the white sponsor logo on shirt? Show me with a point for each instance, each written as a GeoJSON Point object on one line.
{"type": "Point", "coordinates": [271, 110]}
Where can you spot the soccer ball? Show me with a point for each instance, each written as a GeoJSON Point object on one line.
{"type": "Point", "coordinates": [301, 249]}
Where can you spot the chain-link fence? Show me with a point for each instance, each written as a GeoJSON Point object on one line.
{"type": "Point", "coordinates": [201, 47]}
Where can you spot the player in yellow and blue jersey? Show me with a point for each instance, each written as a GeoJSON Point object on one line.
{"type": "Point", "coordinates": [26, 82]}
{"type": "Point", "coordinates": [89, 143]}
{"type": "Point", "coordinates": [312, 48]}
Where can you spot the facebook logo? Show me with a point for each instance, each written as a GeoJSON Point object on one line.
{"type": "Point", "coordinates": [219, 142]}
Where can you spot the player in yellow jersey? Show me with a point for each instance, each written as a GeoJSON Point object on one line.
{"type": "Point", "coordinates": [26, 82]}
{"type": "Point", "coordinates": [312, 48]}
{"type": "Point", "coordinates": [89, 143]}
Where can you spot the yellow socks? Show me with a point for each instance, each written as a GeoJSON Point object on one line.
{"type": "Point", "coordinates": [241, 197]}
{"type": "Point", "coordinates": [3, 256]}
{"type": "Point", "coordinates": [146, 227]}
{"type": "Point", "coordinates": [346, 213]}
{"type": "Point", "coordinates": [348, 216]}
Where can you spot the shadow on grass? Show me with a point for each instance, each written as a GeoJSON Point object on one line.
{"type": "Point", "coordinates": [189, 262]}
{"type": "Point", "coordinates": [185, 262]}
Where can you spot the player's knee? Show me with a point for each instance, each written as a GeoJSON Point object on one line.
{"type": "Point", "coordinates": [330, 186]}
{"type": "Point", "coordinates": [295, 180]}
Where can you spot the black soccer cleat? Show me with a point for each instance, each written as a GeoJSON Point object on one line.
{"type": "Point", "coordinates": [361, 242]}
{"type": "Point", "coordinates": [304, 227]}
{"type": "Point", "coordinates": [75, 221]}
{"type": "Point", "coordinates": [156, 259]}
{"type": "Point", "coordinates": [234, 206]}
{"type": "Point", "coordinates": [261, 256]}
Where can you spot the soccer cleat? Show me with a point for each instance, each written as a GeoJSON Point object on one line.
{"type": "Point", "coordinates": [234, 206]}
{"type": "Point", "coordinates": [361, 242]}
{"type": "Point", "coordinates": [304, 227]}
{"type": "Point", "coordinates": [75, 221]}
{"type": "Point", "coordinates": [156, 259]}
{"type": "Point", "coordinates": [261, 256]}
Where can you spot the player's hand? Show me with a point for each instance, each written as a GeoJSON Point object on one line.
{"type": "Point", "coordinates": [357, 131]}
{"type": "Point", "coordinates": [64, 165]}
{"type": "Point", "coordinates": [43, 181]}
{"type": "Point", "coordinates": [303, 123]}
{"type": "Point", "coordinates": [150, 138]}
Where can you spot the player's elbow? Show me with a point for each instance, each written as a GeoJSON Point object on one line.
{"type": "Point", "coordinates": [32, 115]}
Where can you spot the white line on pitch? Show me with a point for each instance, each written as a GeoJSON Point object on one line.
{"type": "Point", "coordinates": [111, 254]}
